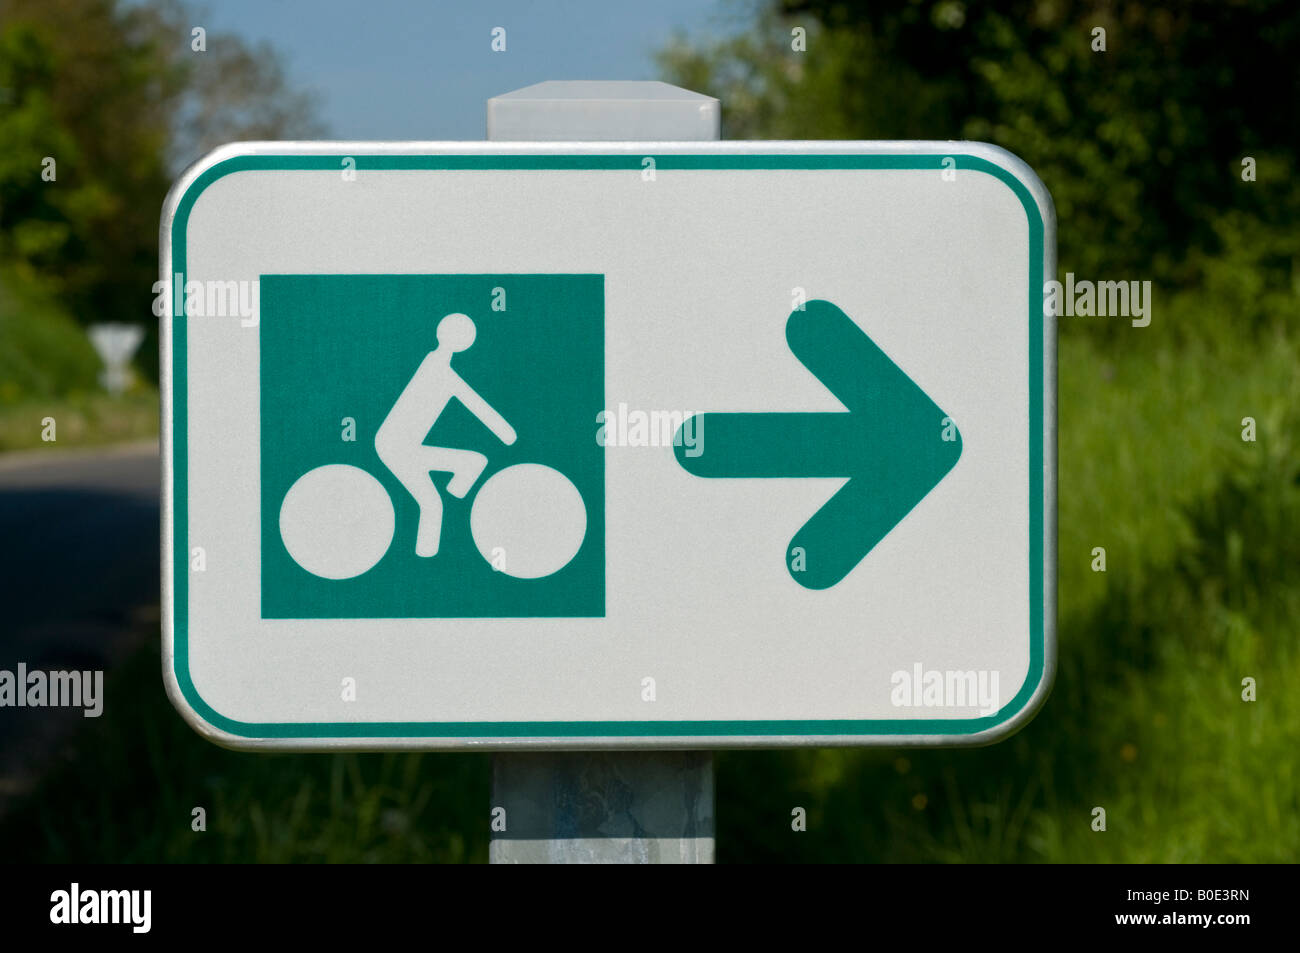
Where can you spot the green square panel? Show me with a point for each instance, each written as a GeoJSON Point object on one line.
{"type": "Point", "coordinates": [428, 446]}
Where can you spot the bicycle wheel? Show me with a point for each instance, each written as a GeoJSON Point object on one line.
{"type": "Point", "coordinates": [528, 520]}
{"type": "Point", "coordinates": [337, 521]}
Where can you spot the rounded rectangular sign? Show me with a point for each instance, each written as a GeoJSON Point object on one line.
{"type": "Point", "coordinates": [609, 445]}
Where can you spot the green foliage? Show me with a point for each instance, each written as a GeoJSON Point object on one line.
{"type": "Point", "coordinates": [128, 793]}
{"type": "Point", "coordinates": [1141, 145]}
{"type": "Point", "coordinates": [43, 352]}
{"type": "Point", "coordinates": [83, 420]}
{"type": "Point", "coordinates": [113, 94]}
{"type": "Point", "coordinates": [48, 368]}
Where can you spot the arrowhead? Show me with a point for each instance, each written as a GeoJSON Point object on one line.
{"type": "Point", "coordinates": [894, 444]}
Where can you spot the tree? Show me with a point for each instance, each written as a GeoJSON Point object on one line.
{"type": "Point", "coordinates": [114, 94]}
{"type": "Point", "coordinates": [1141, 145]}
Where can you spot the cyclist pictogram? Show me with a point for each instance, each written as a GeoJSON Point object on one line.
{"type": "Point", "coordinates": [504, 518]}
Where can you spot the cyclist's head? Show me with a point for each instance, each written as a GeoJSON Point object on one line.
{"type": "Point", "coordinates": [455, 332]}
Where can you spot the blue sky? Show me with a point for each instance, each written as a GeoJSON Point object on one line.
{"type": "Point", "coordinates": [404, 69]}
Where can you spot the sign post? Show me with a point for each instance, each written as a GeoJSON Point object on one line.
{"type": "Point", "coordinates": [603, 806]}
{"type": "Point", "coordinates": [568, 443]}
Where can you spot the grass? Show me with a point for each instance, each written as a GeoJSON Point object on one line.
{"type": "Point", "coordinates": [83, 420]}
{"type": "Point", "coordinates": [49, 369]}
{"type": "Point", "coordinates": [43, 352]}
{"type": "Point", "coordinates": [1147, 720]}
{"type": "Point", "coordinates": [127, 789]}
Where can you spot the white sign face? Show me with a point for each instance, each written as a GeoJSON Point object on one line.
{"type": "Point", "coordinates": [616, 445]}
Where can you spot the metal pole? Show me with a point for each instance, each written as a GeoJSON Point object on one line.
{"type": "Point", "coordinates": [611, 807]}
{"type": "Point", "coordinates": [631, 807]}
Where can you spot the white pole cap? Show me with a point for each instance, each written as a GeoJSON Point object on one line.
{"type": "Point", "coordinates": [603, 111]}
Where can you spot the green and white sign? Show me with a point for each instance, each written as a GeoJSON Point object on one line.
{"type": "Point", "coordinates": [693, 445]}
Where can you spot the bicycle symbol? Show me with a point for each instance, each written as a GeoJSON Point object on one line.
{"type": "Point", "coordinates": [527, 520]}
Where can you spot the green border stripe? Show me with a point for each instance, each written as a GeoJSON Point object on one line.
{"type": "Point", "coordinates": [610, 729]}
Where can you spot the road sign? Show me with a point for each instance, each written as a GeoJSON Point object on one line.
{"type": "Point", "coordinates": [115, 344]}
{"type": "Point", "coordinates": [613, 445]}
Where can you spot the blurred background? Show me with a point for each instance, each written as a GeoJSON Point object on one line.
{"type": "Point", "coordinates": [1144, 147]}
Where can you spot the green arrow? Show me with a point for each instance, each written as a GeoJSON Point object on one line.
{"type": "Point", "coordinates": [894, 445]}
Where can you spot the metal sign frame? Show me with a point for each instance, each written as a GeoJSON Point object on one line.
{"type": "Point", "coordinates": [968, 157]}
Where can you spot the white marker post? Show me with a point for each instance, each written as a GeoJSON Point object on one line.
{"type": "Point", "coordinates": [641, 807]}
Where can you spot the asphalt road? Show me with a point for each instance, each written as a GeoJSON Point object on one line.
{"type": "Point", "coordinates": [78, 573]}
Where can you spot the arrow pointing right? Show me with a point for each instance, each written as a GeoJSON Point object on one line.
{"type": "Point", "coordinates": [894, 445]}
